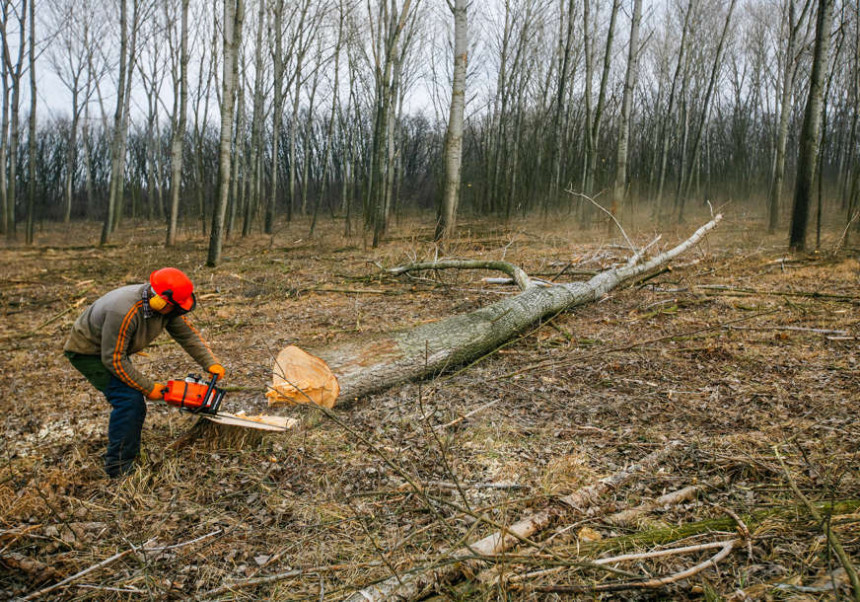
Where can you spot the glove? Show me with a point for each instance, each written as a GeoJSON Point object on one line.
{"type": "Point", "coordinates": [157, 392]}
{"type": "Point", "coordinates": [217, 370]}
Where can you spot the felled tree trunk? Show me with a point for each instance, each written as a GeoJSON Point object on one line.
{"type": "Point", "coordinates": [373, 364]}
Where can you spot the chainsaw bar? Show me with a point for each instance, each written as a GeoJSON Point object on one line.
{"type": "Point", "coordinates": [263, 423]}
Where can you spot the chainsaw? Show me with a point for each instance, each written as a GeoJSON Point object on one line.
{"type": "Point", "coordinates": [195, 395]}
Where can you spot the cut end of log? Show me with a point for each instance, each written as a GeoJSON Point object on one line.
{"type": "Point", "coordinates": [299, 377]}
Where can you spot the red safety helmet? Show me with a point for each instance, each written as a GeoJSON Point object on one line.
{"type": "Point", "coordinates": [174, 286]}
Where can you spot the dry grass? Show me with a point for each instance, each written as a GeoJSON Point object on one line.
{"type": "Point", "coordinates": [580, 397]}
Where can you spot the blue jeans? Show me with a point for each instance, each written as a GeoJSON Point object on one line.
{"type": "Point", "coordinates": [126, 423]}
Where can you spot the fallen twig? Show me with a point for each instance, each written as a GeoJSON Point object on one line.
{"type": "Point", "coordinates": [832, 539]}
{"type": "Point", "coordinates": [230, 587]}
{"type": "Point", "coordinates": [657, 582]}
{"type": "Point", "coordinates": [113, 559]}
{"type": "Point", "coordinates": [588, 496]}
{"type": "Point", "coordinates": [468, 415]}
{"type": "Point", "coordinates": [625, 517]}
{"type": "Point", "coordinates": [411, 586]}
{"type": "Point", "coordinates": [720, 288]}
{"type": "Point", "coordinates": [792, 328]}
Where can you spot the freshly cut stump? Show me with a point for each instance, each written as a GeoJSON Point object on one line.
{"type": "Point", "coordinates": [299, 377]}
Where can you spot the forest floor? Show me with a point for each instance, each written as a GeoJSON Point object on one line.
{"type": "Point", "coordinates": [745, 353]}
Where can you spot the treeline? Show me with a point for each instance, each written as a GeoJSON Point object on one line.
{"type": "Point", "coordinates": [228, 120]}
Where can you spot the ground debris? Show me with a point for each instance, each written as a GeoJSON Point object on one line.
{"type": "Point", "coordinates": [724, 353]}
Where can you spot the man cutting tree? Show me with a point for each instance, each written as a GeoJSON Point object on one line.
{"type": "Point", "coordinates": [119, 324]}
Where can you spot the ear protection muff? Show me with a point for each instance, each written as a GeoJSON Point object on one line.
{"type": "Point", "coordinates": [157, 302]}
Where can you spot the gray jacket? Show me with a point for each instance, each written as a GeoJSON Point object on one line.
{"type": "Point", "coordinates": [121, 323]}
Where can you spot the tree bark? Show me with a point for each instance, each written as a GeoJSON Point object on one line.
{"type": "Point", "coordinates": [369, 365]}
{"type": "Point", "coordinates": [447, 223]}
{"type": "Point", "coordinates": [15, 71]}
{"type": "Point", "coordinates": [593, 120]}
{"type": "Point", "coordinates": [116, 143]}
{"type": "Point", "coordinates": [234, 14]}
{"type": "Point", "coordinates": [180, 118]}
{"type": "Point", "coordinates": [788, 73]}
{"type": "Point", "coordinates": [626, 108]}
{"type": "Point", "coordinates": [31, 143]}
{"type": "Point", "coordinates": [809, 137]}
{"type": "Point", "coordinates": [255, 183]}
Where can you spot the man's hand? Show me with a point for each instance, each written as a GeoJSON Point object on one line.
{"type": "Point", "coordinates": [217, 370]}
{"type": "Point", "coordinates": [157, 392]}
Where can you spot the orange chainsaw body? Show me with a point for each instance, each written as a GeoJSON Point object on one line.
{"type": "Point", "coordinates": [194, 395]}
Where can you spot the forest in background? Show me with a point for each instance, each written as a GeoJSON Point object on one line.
{"type": "Point", "coordinates": [222, 118]}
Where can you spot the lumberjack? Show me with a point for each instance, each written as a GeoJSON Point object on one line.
{"type": "Point", "coordinates": [119, 324]}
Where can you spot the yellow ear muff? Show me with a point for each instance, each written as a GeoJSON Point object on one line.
{"type": "Point", "coordinates": [157, 302]}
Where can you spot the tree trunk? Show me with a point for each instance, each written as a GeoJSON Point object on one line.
{"type": "Point", "coordinates": [239, 144]}
{"type": "Point", "coordinates": [390, 27]}
{"type": "Point", "coordinates": [31, 143]}
{"type": "Point", "coordinates": [256, 184]}
{"type": "Point", "coordinates": [788, 73]}
{"type": "Point", "coordinates": [626, 108]}
{"type": "Point", "coordinates": [71, 158]}
{"type": "Point", "coordinates": [4, 128]}
{"type": "Point", "coordinates": [447, 223]}
{"type": "Point", "coordinates": [809, 137]}
{"type": "Point", "coordinates": [116, 143]}
{"type": "Point", "coordinates": [180, 117]}
{"type": "Point", "coordinates": [369, 365]}
{"type": "Point", "coordinates": [16, 71]}
{"type": "Point", "coordinates": [277, 109]}
{"type": "Point", "coordinates": [234, 14]}
{"type": "Point", "coordinates": [594, 118]}
{"type": "Point", "coordinates": [686, 179]}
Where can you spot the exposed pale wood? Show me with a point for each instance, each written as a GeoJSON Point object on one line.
{"type": "Point", "coordinates": [263, 423]}
{"type": "Point", "coordinates": [299, 377]}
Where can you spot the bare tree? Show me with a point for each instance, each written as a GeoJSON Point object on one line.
{"type": "Point", "coordinates": [807, 155]}
{"type": "Point", "coordinates": [626, 108]}
{"type": "Point", "coordinates": [4, 129]}
{"type": "Point", "coordinates": [151, 65]}
{"type": "Point", "coordinates": [31, 142]}
{"type": "Point", "coordinates": [790, 63]}
{"type": "Point", "coordinates": [69, 58]}
{"type": "Point", "coordinates": [566, 73]}
{"type": "Point", "coordinates": [390, 22]}
{"type": "Point", "coordinates": [686, 176]}
{"type": "Point", "coordinates": [13, 11]}
{"type": "Point", "coordinates": [234, 15]}
{"type": "Point", "coordinates": [594, 113]}
{"type": "Point", "coordinates": [666, 129]}
{"type": "Point", "coordinates": [447, 222]}
{"type": "Point", "coordinates": [127, 54]}
{"type": "Point", "coordinates": [256, 142]}
{"type": "Point", "coordinates": [328, 140]}
{"type": "Point", "coordinates": [179, 115]}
